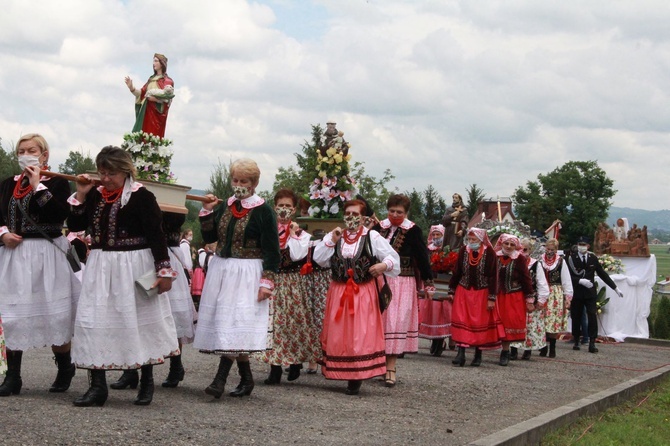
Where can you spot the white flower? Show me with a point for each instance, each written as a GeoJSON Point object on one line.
{"type": "Point", "coordinates": [334, 208]}
{"type": "Point", "coordinates": [313, 210]}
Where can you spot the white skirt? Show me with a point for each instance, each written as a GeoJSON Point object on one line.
{"type": "Point", "coordinates": [116, 328]}
{"type": "Point", "coordinates": [230, 318]}
{"type": "Point", "coordinates": [181, 302]}
{"type": "Point", "coordinates": [38, 294]}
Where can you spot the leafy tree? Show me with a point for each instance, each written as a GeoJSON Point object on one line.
{"type": "Point", "coordinates": [372, 189]}
{"type": "Point", "coordinates": [474, 195]}
{"type": "Point", "coordinates": [76, 163]}
{"type": "Point", "coordinates": [578, 193]}
{"type": "Point", "coordinates": [661, 326]}
{"type": "Point", "coordinates": [434, 205]}
{"type": "Point", "coordinates": [9, 164]}
{"type": "Point", "coordinates": [219, 181]}
{"type": "Point", "coordinates": [416, 209]}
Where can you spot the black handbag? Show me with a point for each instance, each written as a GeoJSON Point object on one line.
{"type": "Point", "coordinates": [70, 254]}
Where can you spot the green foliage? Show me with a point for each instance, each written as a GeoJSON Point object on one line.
{"type": "Point", "coordinates": [9, 164]}
{"type": "Point", "coordinates": [219, 181]}
{"type": "Point", "coordinates": [578, 193]}
{"type": "Point", "coordinates": [416, 206]}
{"type": "Point", "coordinates": [661, 328]}
{"type": "Point", "coordinates": [77, 163]}
{"type": "Point", "coordinates": [434, 206]}
{"type": "Point", "coordinates": [372, 189]}
{"type": "Point", "coordinates": [473, 195]}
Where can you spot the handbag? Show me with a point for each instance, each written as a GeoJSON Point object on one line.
{"type": "Point", "coordinates": [144, 284]}
{"type": "Point", "coordinates": [70, 254]}
{"type": "Point", "coordinates": [384, 294]}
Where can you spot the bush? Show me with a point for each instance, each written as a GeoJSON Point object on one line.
{"type": "Point", "coordinates": [662, 321]}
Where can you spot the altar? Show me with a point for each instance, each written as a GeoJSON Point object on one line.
{"type": "Point", "coordinates": [627, 317]}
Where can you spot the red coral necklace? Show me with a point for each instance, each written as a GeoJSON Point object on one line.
{"type": "Point", "coordinates": [472, 260]}
{"type": "Point", "coordinates": [549, 262]}
{"type": "Point", "coordinates": [111, 196]}
{"type": "Point", "coordinates": [20, 192]}
{"type": "Point", "coordinates": [238, 213]}
{"type": "Point", "coordinates": [349, 239]}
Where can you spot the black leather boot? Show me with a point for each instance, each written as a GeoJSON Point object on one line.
{"type": "Point", "coordinates": [513, 354]}
{"type": "Point", "coordinates": [592, 347]}
{"type": "Point", "coordinates": [437, 347]}
{"type": "Point", "coordinates": [543, 351]}
{"type": "Point", "coordinates": [246, 384]}
{"type": "Point", "coordinates": [504, 358]}
{"type": "Point", "coordinates": [129, 378]}
{"type": "Point", "coordinates": [66, 371]}
{"type": "Point", "coordinates": [218, 385]}
{"type": "Point", "coordinates": [275, 375]}
{"type": "Point", "coordinates": [459, 360]}
{"type": "Point", "coordinates": [353, 386]}
{"type": "Point", "coordinates": [146, 393]}
{"type": "Point", "coordinates": [176, 372]}
{"type": "Point", "coordinates": [552, 348]}
{"type": "Point", "coordinates": [477, 360]}
{"type": "Point", "coordinates": [96, 395]}
{"type": "Point", "coordinates": [12, 383]}
{"type": "Point", "coordinates": [294, 372]}
{"type": "Point", "coordinates": [526, 355]}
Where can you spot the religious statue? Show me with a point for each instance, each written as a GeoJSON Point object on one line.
{"type": "Point", "coordinates": [621, 241]}
{"type": "Point", "coordinates": [455, 221]}
{"type": "Point", "coordinates": [333, 138]}
{"type": "Point", "coordinates": [153, 100]}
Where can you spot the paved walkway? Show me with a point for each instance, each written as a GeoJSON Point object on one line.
{"type": "Point", "coordinates": [433, 402]}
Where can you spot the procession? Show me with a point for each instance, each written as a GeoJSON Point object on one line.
{"type": "Point", "coordinates": [346, 301]}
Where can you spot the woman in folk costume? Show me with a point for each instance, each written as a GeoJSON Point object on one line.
{"type": "Point", "coordinates": [3, 351]}
{"type": "Point", "coordinates": [474, 318]}
{"type": "Point", "coordinates": [560, 295]}
{"type": "Point", "coordinates": [515, 292]}
{"type": "Point", "coordinates": [116, 327]}
{"type": "Point", "coordinates": [401, 318]}
{"type": "Point", "coordinates": [435, 315]}
{"type": "Point", "coordinates": [535, 334]}
{"type": "Point", "coordinates": [39, 291]}
{"type": "Point", "coordinates": [291, 307]}
{"type": "Point", "coordinates": [181, 305]}
{"type": "Point", "coordinates": [353, 333]}
{"type": "Point", "coordinates": [234, 308]}
{"type": "Point", "coordinates": [153, 100]}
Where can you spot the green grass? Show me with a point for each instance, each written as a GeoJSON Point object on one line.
{"type": "Point", "coordinates": [662, 261]}
{"type": "Point", "coordinates": [644, 420]}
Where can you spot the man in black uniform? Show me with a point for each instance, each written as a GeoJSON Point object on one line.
{"type": "Point", "coordinates": [583, 266]}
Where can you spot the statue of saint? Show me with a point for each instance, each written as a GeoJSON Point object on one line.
{"type": "Point", "coordinates": [153, 100]}
{"type": "Point", "coordinates": [455, 221]}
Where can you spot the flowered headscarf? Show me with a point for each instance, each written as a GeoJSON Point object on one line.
{"type": "Point", "coordinates": [481, 235]}
{"type": "Point", "coordinates": [508, 237]}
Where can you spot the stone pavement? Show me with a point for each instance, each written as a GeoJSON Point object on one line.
{"type": "Point", "coordinates": [434, 402]}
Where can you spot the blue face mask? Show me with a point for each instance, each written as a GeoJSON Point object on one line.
{"type": "Point", "coordinates": [474, 246]}
{"type": "Point", "coordinates": [438, 241]}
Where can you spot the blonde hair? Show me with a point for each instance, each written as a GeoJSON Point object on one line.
{"type": "Point", "coordinates": [552, 241]}
{"type": "Point", "coordinates": [246, 168]}
{"type": "Point", "coordinates": [39, 139]}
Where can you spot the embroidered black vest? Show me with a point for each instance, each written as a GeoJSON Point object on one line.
{"type": "Point", "coordinates": [360, 263]}
{"type": "Point", "coordinates": [286, 265]}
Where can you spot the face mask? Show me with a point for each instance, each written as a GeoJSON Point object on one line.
{"type": "Point", "coordinates": [284, 213]}
{"type": "Point", "coordinates": [352, 221]}
{"type": "Point", "coordinates": [474, 246]}
{"type": "Point", "coordinates": [189, 238]}
{"type": "Point", "coordinates": [438, 241]}
{"type": "Point", "coordinates": [396, 221]}
{"type": "Point", "coordinates": [582, 249]}
{"type": "Point", "coordinates": [29, 160]}
{"type": "Point", "coordinates": [241, 192]}
{"type": "Point", "coordinates": [550, 255]}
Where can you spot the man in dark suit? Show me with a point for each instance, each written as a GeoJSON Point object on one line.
{"type": "Point", "coordinates": [583, 266]}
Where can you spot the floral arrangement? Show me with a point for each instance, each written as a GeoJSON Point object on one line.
{"type": "Point", "coordinates": [151, 155]}
{"type": "Point", "coordinates": [611, 264]}
{"type": "Point", "coordinates": [503, 229]}
{"type": "Point", "coordinates": [332, 186]}
{"type": "Point", "coordinates": [442, 262]}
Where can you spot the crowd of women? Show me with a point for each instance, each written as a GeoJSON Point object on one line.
{"type": "Point", "coordinates": [272, 292]}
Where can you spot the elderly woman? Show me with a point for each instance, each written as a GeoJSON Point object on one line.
{"type": "Point", "coordinates": [435, 315]}
{"type": "Point", "coordinates": [116, 327]}
{"type": "Point", "coordinates": [293, 329]}
{"type": "Point", "coordinates": [515, 292]}
{"type": "Point", "coordinates": [234, 308]}
{"type": "Point", "coordinates": [560, 295]}
{"type": "Point", "coordinates": [39, 291]}
{"type": "Point", "coordinates": [535, 330]}
{"type": "Point", "coordinates": [152, 101]}
{"type": "Point", "coordinates": [352, 339]}
{"type": "Point", "coordinates": [474, 319]}
{"type": "Point", "coordinates": [401, 318]}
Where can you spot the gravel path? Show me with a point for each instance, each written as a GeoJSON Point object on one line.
{"type": "Point", "coordinates": [433, 402]}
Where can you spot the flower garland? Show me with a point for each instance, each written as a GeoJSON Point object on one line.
{"type": "Point", "coordinates": [332, 186]}
{"type": "Point", "coordinates": [502, 229]}
{"type": "Point", "coordinates": [151, 156]}
{"type": "Point", "coordinates": [442, 262]}
{"type": "Point", "coordinates": [611, 264]}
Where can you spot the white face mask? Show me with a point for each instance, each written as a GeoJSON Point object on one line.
{"type": "Point", "coordinates": [582, 249]}
{"type": "Point", "coordinates": [241, 192]}
{"type": "Point", "coordinates": [29, 160]}
{"type": "Point", "coordinates": [189, 238]}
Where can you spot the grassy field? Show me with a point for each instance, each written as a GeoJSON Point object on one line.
{"type": "Point", "coordinates": [662, 261]}
{"type": "Point", "coordinates": [644, 420]}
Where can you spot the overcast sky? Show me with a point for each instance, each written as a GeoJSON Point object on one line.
{"type": "Point", "coordinates": [441, 92]}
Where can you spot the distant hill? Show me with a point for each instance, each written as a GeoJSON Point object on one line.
{"type": "Point", "coordinates": [654, 220]}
